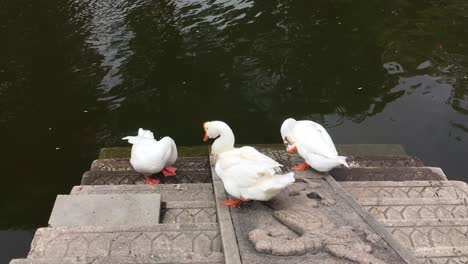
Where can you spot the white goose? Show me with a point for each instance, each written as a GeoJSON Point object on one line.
{"type": "Point", "coordinates": [150, 156]}
{"type": "Point", "coordinates": [247, 174]}
{"type": "Point", "coordinates": [313, 143]}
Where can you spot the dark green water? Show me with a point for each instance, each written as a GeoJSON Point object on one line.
{"type": "Point", "coordinates": [76, 76]}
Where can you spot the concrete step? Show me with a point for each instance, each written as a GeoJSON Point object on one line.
{"type": "Point", "coordinates": [407, 189]}
{"type": "Point", "coordinates": [194, 164]}
{"type": "Point", "coordinates": [418, 208]}
{"type": "Point", "coordinates": [215, 258]}
{"type": "Point", "coordinates": [165, 242]}
{"type": "Point", "coordinates": [193, 212]}
{"type": "Point", "coordinates": [169, 192]}
{"type": "Point", "coordinates": [389, 174]}
{"type": "Point", "coordinates": [106, 210]}
{"type": "Point", "coordinates": [431, 217]}
{"type": "Point", "coordinates": [133, 177]}
{"type": "Point", "coordinates": [411, 199]}
{"type": "Point", "coordinates": [383, 161]}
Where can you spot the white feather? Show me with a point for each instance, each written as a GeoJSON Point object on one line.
{"type": "Point", "coordinates": [150, 156]}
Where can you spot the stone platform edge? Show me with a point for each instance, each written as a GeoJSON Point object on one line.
{"type": "Point", "coordinates": [226, 227]}
{"type": "Point", "coordinates": [379, 229]}
{"type": "Point", "coordinates": [387, 150]}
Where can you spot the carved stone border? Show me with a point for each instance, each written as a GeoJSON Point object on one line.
{"type": "Point", "coordinates": [228, 235]}
{"type": "Point", "coordinates": [379, 229]}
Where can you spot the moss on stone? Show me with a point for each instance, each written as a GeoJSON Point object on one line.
{"type": "Point", "coordinates": [183, 151]}
{"type": "Point", "coordinates": [202, 151]}
{"type": "Point", "coordinates": [124, 152]}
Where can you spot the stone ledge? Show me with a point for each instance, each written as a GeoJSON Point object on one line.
{"type": "Point", "coordinates": [133, 177]}
{"type": "Point", "coordinates": [200, 164]}
{"type": "Point", "coordinates": [126, 241]}
{"type": "Point", "coordinates": [389, 174]}
{"type": "Point", "coordinates": [407, 189]}
{"type": "Point", "coordinates": [383, 161]}
{"type": "Point", "coordinates": [409, 202]}
{"type": "Point", "coordinates": [169, 192]}
{"type": "Point", "coordinates": [388, 150]}
{"type": "Point", "coordinates": [444, 222]}
{"type": "Point", "coordinates": [106, 210]}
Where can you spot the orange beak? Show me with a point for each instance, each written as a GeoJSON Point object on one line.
{"type": "Point", "coordinates": [292, 150]}
{"type": "Point", "coordinates": [206, 135]}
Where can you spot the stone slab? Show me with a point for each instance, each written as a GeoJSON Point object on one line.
{"type": "Point", "coordinates": [181, 203]}
{"type": "Point", "coordinates": [133, 177]}
{"type": "Point", "coordinates": [188, 213]}
{"type": "Point", "coordinates": [228, 235]}
{"type": "Point", "coordinates": [430, 217]}
{"type": "Point", "coordinates": [163, 243]}
{"type": "Point", "coordinates": [407, 189]}
{"type": "Point", "coordinates": [383, 161]}
{"type": "Point", "coordinates": [343, 149]}
{"type": "Point", "coordinates": [106, 210]}
{"type": "Point", "coordinates": [215, 258]}
{"type": "Point", "coordinates": [169, 192]}
{"type": "Point", "coordinates": [308, 223]}
{"type": "Point", "coordinates": [389, 174]}
{"type": "Point", "coordinates": [188, 164]}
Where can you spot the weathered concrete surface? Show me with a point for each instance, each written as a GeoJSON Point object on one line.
{"type": "Point", "coordinates": [161, 243]}
{"type": "Point", "coordinates": [181, 203]}
{"type": "Point", "coordinates": [133, 177]}
{"type": "Point", "coordinates": [106, 210]}
{"type": "Point", "coordinates": [188, 212]}
{"type": "Point", "coordinates": [120, 171]}
{"type": "Point", "coordinates": [407, 189]}
{"type": "Point", "coordinates": [383, 161]}
{"type": "Point", "coordinates": [192, 164]}
{"type": "Point", "coordinates": [430, 217]}
{"type": "Point", "coordinates": [389, 174]}
{"type": "Point", "coordinates": [169, 192]}
{"type": "Point", "coordinates": [388, 150]}
{"type": "Point", "coordinates": [310, 223]}
{"type": "Point", "coordinates": [215, 258]}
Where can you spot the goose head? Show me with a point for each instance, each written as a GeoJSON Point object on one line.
{"type": "Point", "coordinates": [286, 135]}
{"type": "Point", "coordinates": [222, 133]}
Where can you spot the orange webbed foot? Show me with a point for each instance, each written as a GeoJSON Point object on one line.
{"type": "Point", "coordinates": [169, 171]}
{"type": "Point", "coordinates": [301, 166]}
{"type": "Point", "coordinates": [232, 203]}
{"type": "Point", "coordinates": [151, 181]}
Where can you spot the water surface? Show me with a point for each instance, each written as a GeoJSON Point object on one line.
{"type": "Point", "coordinates": [77, 75]}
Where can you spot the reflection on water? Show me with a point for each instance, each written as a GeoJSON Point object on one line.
{"type": "Point", "coordinates": [76, 76]}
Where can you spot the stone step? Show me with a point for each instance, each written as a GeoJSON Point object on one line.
{"type": "Point", "coordinates": [411, 199]}
{"type": "Point", "coordinates": [441, 241]}
{"type": "Point", "coordinates": [389, 150]}
{"type": "Point", "coordinates": [215, 258]}
{"type": "Point", "coordinates": [407, 189]}
{"type": "Point", "coordinates": [133, 177]}
{"type": "Point", "coordinates": [169, 192]}
{"type": "Point", "coordinates": [188, 212]}
{"type": "Point", "coordinates": [164, 242]}
{"type": "Point", "coordinates": [383, 161]}
{"type": "Point", "coordinates": [181, 203]}
{"type": "Point", "coordinates": [192, 164]}
{"type": "Point", "coordinates": [106, 210]}
{"type": "Point", "coordinates": [431, 217]}
{"type": "Point", "coordinates": [389, 174]}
